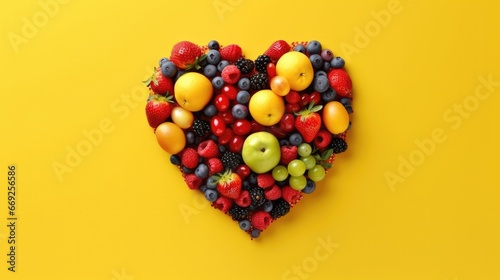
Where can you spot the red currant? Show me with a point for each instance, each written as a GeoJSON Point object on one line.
{"type": "Point", "coordinates": [287, 122]}
{"type": "Point", "coordinates": [221, 102]}
{"type": "Point", "coordinates": [315, 97]}
{"type": "Point", "coordinates": [243, 170]}
{"type": "Point", "coordinates": [226, 137]}
{"type": "Point", "coordinates": [277, 131]}
{"type": "Point", "coordinates": [292, 108]}
{"type": "Point", "coordinates": [271, 70]}
{"type": "Point", "coordinates": [256, 127]}
{"type": "Point", "coordinates": [292, 97]}
{"type": "Point", "coordinates": [304, 99]}
{"type": "Point", "coordinates": [236, 143]}
{"type": "Point", "coordinates": [242, 127]}
{"type": "Point", "coordinates": [227, 116]}
{"type": "Point", "coordinates": [217, 125]}
{"type": "Point", "coordinates": [230, 92]}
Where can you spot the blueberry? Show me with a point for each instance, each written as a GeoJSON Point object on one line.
{"type": "Point", "coordinates": [201, 171]}
{"type": "Point", "coordinates": [246, 185]}
{"type": "Point", "coordinates": [345, 101]}
{"type": "Point", "coordinates": [190, 137]}
{"type": "Point", "coordinates": [314, 47]}
{"type": "Point", "coordinates": [328, 95]}
{"type": "Point", "coordinates": [255, 233]}
{"type": "Point", "coordinates": [203, 62]}
{"type": "Point", "coordinates": [213, 45]}
{"type": "Point", "coordinates": [282, 183]}
{"type": "Point", "coordinates": [245, 224]}
{"type": "Point", "coordinates": [300, 48]}
{"type": "Point", "coordinates": [327, 55]}
{"type": "Point", "coordinates": [211, 195]}
{"type": "Point", "coordinates": [252, 178]}
{"type": "Point", "coordinates": [222, 64]}
{"type": "Point", "coordinates": [212, 182]}
{"type": "Point", "coordinates": [168, 69]}
{"type": "Point", "coordinates": [202, 188]}
{"type": "Point", "coordinates": [239, 111]}
{"type": "Point", "coordinates": [284, 142]}
{"type": "Point", "coordinates": [210, 110]}
{"type": "Point", "coordinates": [214, 137]}
{"type": "Point", "coordinates": [178, 74]}
{"type": "Point", "coordinates": [316, 61]}
{"type": "Point", "coordinates": [244, 84]}
{"type": "Point", "coordinates": [267, 206]}
{"type": "Point", "coordinates": [210, 71]}
{"type": "Point", "coordinates": [163, 60]}
{"type": "Point", "coordinates": [187, 170]}
{"type": "Point", "coordinates": [321, 84]}
{"type": "Point", "coordinates": [296, 139]}
{"type": "Point", "coordinates": [349, 126]}
{"type": "Point", "coordinates": [326, 66]}
{"type": "Point", "coordinates": [222, 149]}
{"type": "Point", "coordinates": [213, 57]}
{"type": "Point", "coordinates": [218, 82]}
{"type": "Point", "coordinates": [175, 160]}
{"type": "Point", "coordinates": [349, 109]}
{"type": "Point", "coordinates": [338, 62]}
{"type": "Point", "coordinates": [243, 97]}
{"type": "Point", "coordinates": [251, 207]}
{"type": "Point", "coordinates": [320, 73]}
{"type": "Point", "coordinates": [310, 187]}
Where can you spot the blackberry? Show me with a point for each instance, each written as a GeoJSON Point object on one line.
{"type": "Point", "coordinates": [201, 128]}
{"type": "Point", "coordinates": [338, 145]}
{"type": "Point", "coordinates": [280, 208]}
{"type": "Point", "coordinates": [261, 63]}
{"type": "Point", "coordinates": [238, 213]}
{"type": "Point", "coordinates": [259, 81]}
{"type": "Point", "coordinates": [230, 160]}
{"type": "Point", "coordinates": [257, 195]}
{"type": "Point", "coordinates": [245, 65]}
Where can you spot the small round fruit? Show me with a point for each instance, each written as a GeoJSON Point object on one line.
{"type": "Point", "coordinates": [317, 173]}
{"type": "Point", "coordinates": [296, 167]}
{"type": "Point", "coordinates": [335, 117]}
{"type": "Point", "coordinates": [182, 117]}
{"type": "Point", "coordinates": [280, 85]}
{"type": "Point", "coordinates": [170, 137]}
{"type": "Point", "coordinates": [304, 149]}
{"type": "Point", "coordinates": [193, 91]}
{"type": "Point", "coordinates": [309, 161]}
{"type": "Point", "coordinates": [280, 173]}
{"type": "Point", "coordinates": [298, 182]}
{"type": "Point", "coordinates": [266, 107]}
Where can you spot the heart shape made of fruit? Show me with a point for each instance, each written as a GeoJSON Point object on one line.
{"type": "Point", "coordinates": [252, 136]}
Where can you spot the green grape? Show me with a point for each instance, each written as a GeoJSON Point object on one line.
{"type": "Point", "coordinates": [317, 173]}
{"type": "Point", "coordinates": [280, 173]}
{"type": "Point", "coordinates": [296, 167]}
{"type": "Point", "coordinates": [304, 149]}
{"type": "Point", "coordinates": [309, 161]}
{"type": "Point", "coordinates": [298, 182]}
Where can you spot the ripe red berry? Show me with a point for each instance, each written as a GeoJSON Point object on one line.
{"type": "Point", "coordinates": [221, 102]}
{"type": "Point", "coordinates": [223, 204]}
{"type": "Point", "coordinates": [292, 97]}
{"type": "Point", "coordinates": [217, 125]}
{"type": "Point", "coordinates": [315, 97]}
{"type": "Point", "coordinates": [236, 144]}
{"type": "Point", "coordinates": [227, 116]}
{"type": "Point", "coordinates": [231, 74]}
{"type": "Point", "coordinates": [230, 91]}
{"type": "Point", "coordinates": [271, 70]}
{"type": "Point", "coordinates": [242, 127]}
{"type": "Point", "coordinates": [243, 170]}
{"type": "Point", "coordinates": [304, 99]}
{"type": "Point", "coordinates": [287, 122]}
{"type": "Point", "coordinates": [226, 137]}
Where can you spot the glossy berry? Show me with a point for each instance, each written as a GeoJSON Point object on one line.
{"type": "Point", "coordinates": [242, 127]}
{"type": "Point", "coordinates": [314, 47]}
{"type": "Point", "coordinates": [337, 62]}
{"type": "Point", "coordinates": [243, 97]}
{"type": "Point", "coordinates": [245, 225]}
{"type": "Point", "coordinates": [221, 102]}
{"type": "Point", "coordinates": [213, 45]}
{"type": "Point", "coordinates": [211, 195]}
{"type": "Point", "coordinates": [240, 111]}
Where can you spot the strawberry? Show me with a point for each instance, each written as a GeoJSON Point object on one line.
{"type": "Point", "coordinates": [231, 53]}
{"type": "Point", "coordinates": [261, 220]}
{"type": "Point", "coordinates": [265, 180]}
{"type": "Point", "coordinates": [308, 122]}
{"type": "Point", "coordinates": [158, 109]}
{"type": "Point", "coordinates": [277, 49]}
{"type": "Point", "coordinates": [272, 193]}
{"type": "Point", "coordinates": [244, 200]}
{"type": "Point", "coordinates": [208, 149]}
{"type": "Point", "coordinates": [186, 55]}
{"type": "Point", "coordinates": [223, 204]}
{"type": "Point", "coordinates": [340, 82]}
{"type": "Point", "coordinates": [290, 195]}
{"type": "Point", "coordinates": [214, 166]}
{"type": "Point", "coordinates": [160, 84]}
{"type": "Point", "coordinates": [288, 153]}
{"type": "Point", "coordinates": [192, 181]}
{"type": "Point", "coordinates": [189, 158]}
{"type": "Point", "coordinates": [229, 185]}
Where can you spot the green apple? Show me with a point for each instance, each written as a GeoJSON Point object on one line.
{"type": "Point", "coordinates": [261, 152]}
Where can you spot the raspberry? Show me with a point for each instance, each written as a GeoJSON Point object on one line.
{"type": "Point", "coordinates": [257, 195]}
{"type": "Point", "coordinates": [189, 158]}
{"type": "Point", "coordinates": [208, 149]}
{"type": "Point", "coordinates": [245, 65]}
{"type": "Point", "coordinates": [288, 153]}
{"type": "Point", "coordinates": [265, 180]}
{"type": "Point", "coordinates": [231, 74]}
{"type": "Point", "coordinates": [322, 139]}
{"type": "Point", "coordinates": [223, 204]}
{"type": "Point", "coordinates": [214, 166]}
{"type": "Point", "coordinates": [261, 63]}
{"type": "Point", "coordinates": [231, 53]}
{"type": "Point", "coordinates": [338, 145]}
{"type": "Point", "coordinates": [280, 208]}
{"type": "Point", "coordinates": [238, 213]}
{"type": "Point", "coordinates": [290, 195]}
{"type": "Point", "coordinates": [272, 193]}
{"type": "Point", "coordinates": [261, 220]}
{"type": "Point", "coordinates": [244, 200]}
{"type": "Point", "coordinates": [192, 181]}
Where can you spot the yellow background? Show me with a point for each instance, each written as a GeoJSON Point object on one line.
{"type": "Point", "coordinates": [117, 214]}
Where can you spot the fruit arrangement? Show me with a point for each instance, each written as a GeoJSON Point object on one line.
{"type": "Point", "coordinates": [252, 135]}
